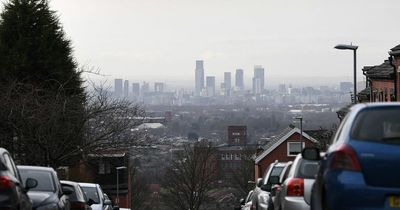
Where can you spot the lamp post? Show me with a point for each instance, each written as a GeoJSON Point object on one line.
{"type": "Point", "coordinates": [118, 168]}
{"type": "Point", "coordinates": [301, 130]}
{"type": "Point", "coordinates": [354, 48]}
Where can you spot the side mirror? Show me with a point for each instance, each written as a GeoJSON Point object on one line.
{"type": "Point", "coordinates": [242, 201]}
{"type": "Point", "coordinates": [107, 202]}
{"type": "Point", "coordinates": [259, 182]}
{"type": "Point", "coordinates": [311, 153]}
{"type": "Point", "coordinates": [30, 183]}
{"type": "Point", "coordinates": [273, 180]}
{"type": "Point", "coordinates": [91, 202]}
{"type": "Point", "coordinates": [275, 189]}
{"type": "Point", "coordinates": [67, 190]}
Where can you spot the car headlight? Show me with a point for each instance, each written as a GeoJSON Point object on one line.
{"type": "Point", "coordinates": [264, 198]}
{"type": "Point", "coordinates": [50, 206]}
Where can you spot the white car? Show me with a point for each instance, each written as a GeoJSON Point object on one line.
{"type": "Point", "coordinates": [93, 191]}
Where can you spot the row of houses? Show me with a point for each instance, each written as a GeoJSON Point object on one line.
{"type": "Point", "coordinates": [383, 80]}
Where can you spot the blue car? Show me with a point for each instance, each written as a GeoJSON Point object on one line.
{"type": "Point", "coordinates": [361, 168]}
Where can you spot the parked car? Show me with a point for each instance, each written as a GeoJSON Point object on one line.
{"type": "Point", "coordinates": [263, 187]}
{"type": "Point", "coordinates": [77, 199]}
{"type": "Point", "coordinates": [360, 169]}
{"type": "Point", "coordinates": [13, 193]}
{"type": "Point", "coordinates": [107, 203]}
{"type": "Point", "coordinates": [246, 202]}
{"type": "Point", "coordinates": [295, 191]}
{"type": "Point", "coordinates": [93, 191]}
{"type": "Point", "coordinates": [48, 194]}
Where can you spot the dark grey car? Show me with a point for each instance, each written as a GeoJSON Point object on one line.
{"type": "Point", "coordinates": [13, 194]}
{"type": "Point", "coordinates": [48, 194]}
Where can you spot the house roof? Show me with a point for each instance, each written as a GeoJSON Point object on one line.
{"type": "Point", "coordinates": [395, 50]}
{"type": "Point", "coordinates": [279, 139]}
{"type": "Point", "coordinates": [384, 71]}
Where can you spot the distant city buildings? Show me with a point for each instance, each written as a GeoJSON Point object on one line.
{"type": "Point", "coordinates": [227, 83]}
{"type": "Point", "coordinates": [126, 89]}
{"type": "Point", "coordinates": [159, 87]}
{"type": "Point", "coordinates": [258, 79]}
{"type": "Point", "coordinates": [135, 89]}
{"type": "Point", "coordinates": [346, 87]}
{"type": "Point", "coordinates": [118, 87]}
{"type": "Point", "coordinates": [199, 78]}
{"type": "Point", "coordinates": [239, 80]}
{"type": "Point", "coordinates": [210, 86]}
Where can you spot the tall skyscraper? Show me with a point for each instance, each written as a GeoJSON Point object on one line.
{"type": "Point", "coordinates": [126, 88]}
{"type": "Point", "coordinates": [228, 83]}
{"type": "Point", "coordinates": [258, 79]}
{"type": "Point", "coordinates": [145, 88]}
{"type": "Point", "coordinates": [210, 86]}
{"type": "Point", "coordinates": [135, 89]}
{"type": "Point", "coordinates": [199, 78]}
{"type": "Point", "coordinates": [118, 87]}
{"type": "Point", "coordinates": [239, 82]}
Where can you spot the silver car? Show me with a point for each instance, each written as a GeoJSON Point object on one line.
{"type": "Point", "coordinates": [295, 191]}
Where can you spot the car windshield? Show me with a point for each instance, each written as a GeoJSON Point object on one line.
{"type": "Point", "coordinates": [45, 181]}
{"type": "Point", "coordinates": [276, 171]}
{"type": "Point", "coordinates": [91, 193]}
{"type": "Point", "coordinates": [380, 125]}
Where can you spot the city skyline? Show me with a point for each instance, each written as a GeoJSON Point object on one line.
{"type": "Point", "coordinates": [228, 35]}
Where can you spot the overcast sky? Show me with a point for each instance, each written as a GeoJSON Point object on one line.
{"type": "Point", "coordinates": [159, 40]}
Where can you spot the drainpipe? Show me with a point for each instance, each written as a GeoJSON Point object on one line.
{"type": "Point", "coordinates": [391, 60]}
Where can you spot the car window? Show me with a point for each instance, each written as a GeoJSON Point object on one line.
{"type": "Point", "coordinates": [276, 171]}
{"type": "Point", "coordinates": [308, 169]}
{"type": "Point", "coordinates": [91, 193]}
{"type": "Point", "coordinates": [380, 125]}
{"type": "Point", "coordinates": [73, 196]}
{"type": "Point", "coordinates": [45, 180]}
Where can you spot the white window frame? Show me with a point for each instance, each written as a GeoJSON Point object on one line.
{"type": "Point", "coordinates": [291, 142]}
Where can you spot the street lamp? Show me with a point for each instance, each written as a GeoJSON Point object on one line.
{"type": "Point", "coordinates": [301, 130]}
{"type": "Point", "coordinates": [354, 48]}
{"type": "Point", "coordinates": [118, 168]}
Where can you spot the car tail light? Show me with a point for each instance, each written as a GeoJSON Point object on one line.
{"type": "Point", "coordinates": [345, 158]}
{"type": "Point", "coordinates": [5, 182]}
{"type": "Point", "coordinates": [78, 206]}
{"type": "Point", "coordinates": [295, 187]}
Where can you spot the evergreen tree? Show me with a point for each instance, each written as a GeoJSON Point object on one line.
{"type": "Point", "coordinates": [41, 93]}
{"type": "Point", "coordinates": [33, 48]}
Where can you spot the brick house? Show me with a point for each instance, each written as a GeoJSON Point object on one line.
{"type": "Point", "coordinates": [101, 169]}
{"type": "Point", "coordinates": [383, 81]}
{"type": "Point", "coordinates": [284, 147]}
{"type": "Point", "coordinates": [395, 57]}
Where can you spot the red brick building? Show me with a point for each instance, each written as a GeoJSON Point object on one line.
{"type": "Point", "coordinates": [284, 147]}
{"type": "Point", "coordinates": [237, 135]}
{"type": "Point", "coordinates": [383, 81]}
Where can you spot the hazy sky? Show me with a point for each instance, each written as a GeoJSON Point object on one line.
{"type": "Point", "coordinates": [159, 40]}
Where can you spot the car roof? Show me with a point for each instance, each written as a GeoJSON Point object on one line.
{"type": "Point", "coordinates": [84, 184]}
{"type": "Point", "coordinates": [38, 168]}
{"type": "Point", "coordinates": [2, 150]}
{"type": "Point", "coordinates": [69, 182]}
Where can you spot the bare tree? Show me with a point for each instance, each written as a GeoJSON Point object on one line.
{"type": "Point", "coordinates": [49, 128]}
{"type": "Point", "coordinates": [244, 173]}
{"type": "Point", "coordinates": [190, 177]}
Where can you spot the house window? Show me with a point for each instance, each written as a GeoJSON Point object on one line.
{"type": "Point", "coordinates": [104, 167]}
{"type": "Point", "coordinates": [294, 148]}
{"type": "Point", "coordinates": [222, 156]}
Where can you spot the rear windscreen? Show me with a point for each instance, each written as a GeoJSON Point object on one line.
{"type": "Point", "coordinates": [308, 169]}
{"type": "Point", "coordinates": [381, 125]}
